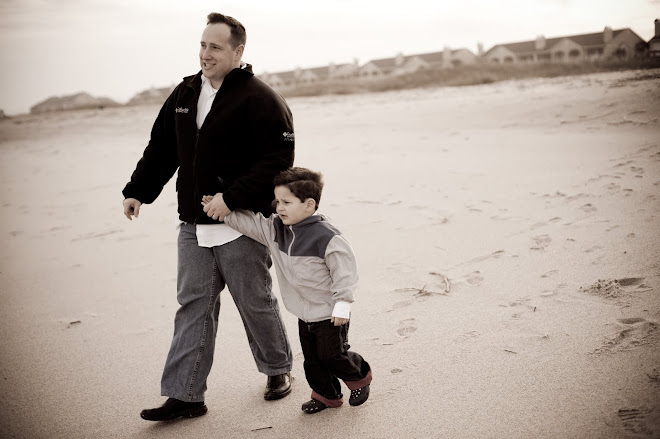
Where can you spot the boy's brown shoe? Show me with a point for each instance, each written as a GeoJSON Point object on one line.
{"type": "Point", "coordinates": [359, 396]}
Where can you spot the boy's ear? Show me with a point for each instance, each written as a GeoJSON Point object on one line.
{"type": "Point", "coordinates": [310, 203]}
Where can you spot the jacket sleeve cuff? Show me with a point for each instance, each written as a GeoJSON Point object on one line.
{"type": "Point", "coordinates": [342, 310]}
{"type": "Point", "coordinates": [229, 201]}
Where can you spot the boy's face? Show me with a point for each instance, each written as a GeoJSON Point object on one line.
{"type": "Point", "coordinates": [290, 208]}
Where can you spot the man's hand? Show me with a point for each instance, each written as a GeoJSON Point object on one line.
{"type": "Point", "coordinates": [338, 321]}
{"type": "Point", "coordinates": [216, 207]}
{"type": "Point", "coordinates": [131, 208]}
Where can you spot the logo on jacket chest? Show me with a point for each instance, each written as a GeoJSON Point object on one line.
{"type": "Point", "coordinates": [182, 110]}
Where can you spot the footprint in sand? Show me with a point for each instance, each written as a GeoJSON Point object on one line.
{"type": "Point", "coordinates": [638, 171]}
{"type": "Point", "coordinates": [402, 304]}
{"type": "Point", "coordinates": [633, 332]}
{"type": "Point", "coordinates": [473, 279]}
{"type": "Point", "coordinates": [466, 336]}
{"type": "Point", "coordinates": [407, 327]}
{"type": "Point", "coordinates": [630, 281]}
{"type": "Point", "coordinates": [654, 377]}
{"type": "Point", "coordinates": [541, 242]}
{"type": "Point", "coordinates": [588, 208]}
{"type": "Point", "coordinates": [576, 197]}
{"type": "Point", "coordinates": [550, 293]}
{"type": "Point", "coordinates": [613, 187]}
{"type": "Point", "coordinates": [634, 421]}
{"type": "Point", "coordinates": [549, 273]}
{"type": "Point", "coordinates": [602, 177]}
{"type": "Point", "coordinates": [623, 164]}
{"type": "Point", "coordinates": [521, 306]}
{"type": "Point", "coordinates": [557, 194]}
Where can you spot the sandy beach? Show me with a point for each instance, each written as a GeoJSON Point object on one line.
{"type": "Point", "coordinates": [508, 239]}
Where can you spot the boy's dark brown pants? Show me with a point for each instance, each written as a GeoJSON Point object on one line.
{"type": "Point", "coordinates": [327, 358]}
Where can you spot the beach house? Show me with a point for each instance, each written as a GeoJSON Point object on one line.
{"type": "Point", "coordinates": [620, 44]}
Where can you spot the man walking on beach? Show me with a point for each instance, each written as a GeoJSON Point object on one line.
{"type": "Point", "coordinates": [226, 132]}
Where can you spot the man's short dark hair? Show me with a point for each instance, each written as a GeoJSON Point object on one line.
{"type": "Point", "coordinates": [302, 182]}
{"type": "Point", "coordinates": [238, 34]}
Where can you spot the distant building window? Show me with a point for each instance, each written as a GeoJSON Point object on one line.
{"type": "Point", "coordinates": [543, 57]}
{"type": "Point", "coordinates": [508, 59]}
{"type": "Point", "coordinates": [456, 62]}
{"type": "Point", "coordinates": [621, 53]}
{"type": "Point", "coordinates": [574, 54]}
{"type": "Point", "coordinates": [559, 56]}
{"type": "Point", "coordinates": [495, 61]}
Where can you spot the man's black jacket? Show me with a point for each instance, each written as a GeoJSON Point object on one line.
{"type": "Point", "coordinates": [246, 139]}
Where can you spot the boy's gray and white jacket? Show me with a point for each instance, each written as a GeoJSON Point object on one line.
{"type": "Point", "coordinates": [315, 264]}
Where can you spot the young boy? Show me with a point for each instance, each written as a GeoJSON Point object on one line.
{"type": "Point", "coordinates": [317, 274]}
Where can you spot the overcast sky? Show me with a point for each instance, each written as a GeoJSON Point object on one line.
{"type": "Point", "coordinates": [117, 48]}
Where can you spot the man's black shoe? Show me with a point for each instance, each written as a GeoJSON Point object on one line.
{"type": "Point", "coordinates": [278, 386]}
{"type": "Point", "coordinates": [174, 408]}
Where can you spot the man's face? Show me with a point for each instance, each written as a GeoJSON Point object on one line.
{"type": "Point", "coordinates": [216, 56]}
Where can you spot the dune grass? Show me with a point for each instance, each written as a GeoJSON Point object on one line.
{"type": "Point", "coordinates": [465, 75]}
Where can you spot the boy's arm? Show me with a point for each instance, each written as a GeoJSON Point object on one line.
{"type": "Point", "coordinates": [341, 262]}
{"type": "Point", "coordinates": [252, 225]}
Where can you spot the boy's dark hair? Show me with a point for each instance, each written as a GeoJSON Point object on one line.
{"type": "Point", "coordinates": [238, 34]}
{"type": "Point", "coordinates": [302, 182]}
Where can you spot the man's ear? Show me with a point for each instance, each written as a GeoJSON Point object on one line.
{"type": "Point", "coordinates": [239, 52]}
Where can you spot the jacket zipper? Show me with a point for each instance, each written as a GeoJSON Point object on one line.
{"type": "Point", "coordinates": [291, 245]}
{"type": "Point", "coordinates": [289, 260]}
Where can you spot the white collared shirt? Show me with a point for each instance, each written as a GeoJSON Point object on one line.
{"type": "Point", "coordinates": [211, 235]}
{"type": "Point", "coordinates": [206, 97]}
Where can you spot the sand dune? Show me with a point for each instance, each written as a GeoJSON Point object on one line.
{"type": "Point", "coordinates": [509, 251]}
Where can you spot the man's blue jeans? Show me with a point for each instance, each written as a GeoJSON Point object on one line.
{"type": "Point", "coordinates": [242, 265]}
